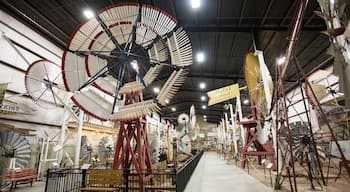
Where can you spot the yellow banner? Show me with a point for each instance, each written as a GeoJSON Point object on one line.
{"type": "Point", "coordinates": [223, 94]}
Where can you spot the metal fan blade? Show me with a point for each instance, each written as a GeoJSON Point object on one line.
{"type": "Point", "coordinates": [180, 48]}
{"type": "Point", "coordinates": [133, 34]}
{"type": "Point", "coordinates": [108, 32]}
{"type": "Point", "coordinates": [96, 103]}
{"type": "Point", "coordinates": [171, 86]}
{"type": "Point", "coordinates": [136, 110]}
{"type": "Point", "coordinates": [159, 51]}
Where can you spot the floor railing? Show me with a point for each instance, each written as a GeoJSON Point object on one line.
{"type": "Point", "coordinates": [66, 180]}
{"type": "Point", "coordinates": [184, 174]}
{"type": "Point", "coordinates": [62, 180]}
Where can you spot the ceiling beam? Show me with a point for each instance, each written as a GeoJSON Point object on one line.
{"type": "Point", "coordinates": [233, 77]}
{"type": "Point", "coordinates": [46, 19]}
{"type": "Point", "coordinates": [246, 28]}
{"type": "Point", "coordinates": [216, 76]}
{"type": "Point", "coordinates": [267, 11]}
{"type": "Point", "coordinates": [19, 15]}
{"type": "Point", "coordinates": [242, 12]}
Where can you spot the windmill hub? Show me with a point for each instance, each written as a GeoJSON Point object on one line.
{"type": "Point", "coordinates": [9, 151]}
{"type": "Point", "coordinates": [137, 53]}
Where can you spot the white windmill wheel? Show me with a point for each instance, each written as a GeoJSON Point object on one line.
{"type": "Point", "coordinates": [43, 82]}
{"type": "Point", "coordinates": [121, 51]}
{"type": "Point", "coordinates": [193, 117]}
{"type": "Point", "coordinates": [183, 120]}
{"type": "Point", "coordinates": [15, 146]}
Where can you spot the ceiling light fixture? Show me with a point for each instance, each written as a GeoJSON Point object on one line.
{"type": "Point", "coordinates": [204, 107]}
{"type": "Point", "coordinates": [173, 109]}
{"type": "Point", "coordinates": [202, 85]}
{"type": "Point", "coordinates": [195, 4]}
{"type": "Point", "coordinates": [134, 65]}
{"type": "Point", "coordinates": [281, 60]}
{"type": "Point", "coordinates": [156, 89]}
{"type": "Point", "coordinates": [204, 116]}
{"type": "Point", "coordinates": [200, 57]}
{"type": "Point", "coordinates": [88, 13]}
{"type": "Point", "coordinates": [203, 98]}
{"type": "Point", "coordinates": [246, 101]}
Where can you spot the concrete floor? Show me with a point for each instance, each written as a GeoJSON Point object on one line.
{"type": "Point", "coordinates": [213, 174]}
{"type": "Point", "coordinates": [38, 186]}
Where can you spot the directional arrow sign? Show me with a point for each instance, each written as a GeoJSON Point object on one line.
{"type": "Point", "coordinates": [223, 94]}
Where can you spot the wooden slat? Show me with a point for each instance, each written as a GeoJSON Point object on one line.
{"type": "Point", "coordinates": [105, 177]}
{"type": "Point", "coordinates": [20, 174]}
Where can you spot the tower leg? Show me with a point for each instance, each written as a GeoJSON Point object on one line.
{"type": "Point", "coordinates": [132, 148]}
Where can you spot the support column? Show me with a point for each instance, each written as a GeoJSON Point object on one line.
{"type": "Point", "coordinates": [63, 134]}
{"type": "Point", "coordinates": [234, 129]}
{"type": "Point", "coordinates": [79, 135]}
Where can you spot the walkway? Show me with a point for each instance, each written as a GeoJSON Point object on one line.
{"type": "Point", "coordinates": [213, 174]}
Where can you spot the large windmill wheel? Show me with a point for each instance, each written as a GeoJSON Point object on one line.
{"type": "Point", "coordinates": [122, 50]}
{"type": "Point", "coordinates": [43, 81]}
{"type": "Point", "coordinates": [304, 150]}
{"type": "Point", "coordinates": [254, 80]}
{"type": "Point", "coordinates": [15, 146]}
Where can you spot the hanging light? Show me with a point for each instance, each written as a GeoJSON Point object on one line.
{"type": "Point", "coordinates": [88, 13]}
{"type": "Point", "coordinates": [195, 4]}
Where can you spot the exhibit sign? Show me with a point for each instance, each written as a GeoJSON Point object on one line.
{"type": "Point", "coordinates": [3, 88]}
{"type": "Point", "coordinates": [223, 94]}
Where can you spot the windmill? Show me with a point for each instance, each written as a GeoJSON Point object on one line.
{"type": "Point", "coordinates": [112, 57]}
{"type": "Point", "coordinates": [44, 85]}
{"type": "Point", "coordinates": [184, 140]}
{"type": "Point", "coordinates": [16, 147]}
{"type": "Point", "coordinates": [288, 150]}
{"type": "Point", "coordinates": [258, 130]}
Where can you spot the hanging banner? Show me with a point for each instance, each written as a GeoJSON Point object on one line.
{"type": "Point", "coordinates": [223, 94]}
{"type": "Point", "coordinates": [3, 88]}
{"type": "Point", "coordinates": [12, 107]}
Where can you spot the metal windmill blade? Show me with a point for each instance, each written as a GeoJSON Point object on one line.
{"type": "Point", "coordinates": [15, 146]}
{"type": "Point", "coordinates": [180, 48]}
{"type": "Point", "coordinates": [121, 51]}
{"type": "Point", "coordinates": [171, 86]}
{"type": "Point", "coordinates": [43, 82]}
{"type": "Point", "coordinates": [133, 111]}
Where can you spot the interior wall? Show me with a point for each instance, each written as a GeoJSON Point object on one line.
{"type": "Point", "coordinates": [32, 47]}
{"type": "Point", "coordinates": [12, 68]}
